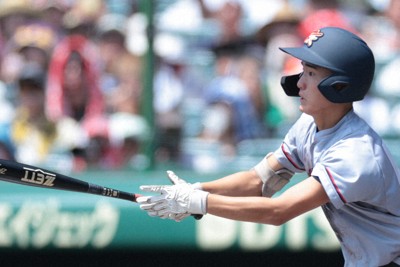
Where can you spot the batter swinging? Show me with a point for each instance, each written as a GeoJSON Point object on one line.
{"type": "Point", "coordinates": [352, 176]}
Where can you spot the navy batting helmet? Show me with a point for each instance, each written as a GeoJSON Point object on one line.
{"type": "Point", "coordinates": [345, 54]}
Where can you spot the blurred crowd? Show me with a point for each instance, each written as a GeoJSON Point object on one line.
{"type": "Point", "coordinates": [72, 76]}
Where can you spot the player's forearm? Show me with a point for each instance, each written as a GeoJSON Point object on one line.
{"type": "Point", "coordinates": [249, 209]}
{"type": "Point", "coordinates": [298, 199]}
{"type": "Point", "coordinates": [246, 183]}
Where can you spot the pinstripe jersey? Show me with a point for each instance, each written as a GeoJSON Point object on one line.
{"type": "Point", "coordinates": [361, 180]}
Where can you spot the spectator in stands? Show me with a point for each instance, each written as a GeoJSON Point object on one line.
{"type": "Point", "coordinates": [12, 15]}
{"type": "Point", "coordinates": [282, 29]}
{"type": "Point", "coordinates": [126, 94]}
{"type": "Point", "coordinates": [30, 42]}
{"type": "Point", "coordinates": [127, 133]}
{"type": "Point", "coordinates": [250, 72]}
{"type": "Point", "coordinates": [52, 13]}
{"type": "Point", "coordinates": [234, 112]}
{"type": "Point", "coordinates": [169, 90]}
{"type": "Point", "coordinates": [323, 13]}
{"type": "Point", "coordinates": [81, 16]}
{"type": "Point", "coordinates": [98, 152]}
{"type": "Point", "coordinates": [73, 92]}
{"type": "Point", "coordinates": [128, 129]}
{"type": "Point", "coordinates": [32, 134]}
{"type": "Point", "coordinates": [120, 71]}
{"type": "Point", "coordinates": [228, 17]}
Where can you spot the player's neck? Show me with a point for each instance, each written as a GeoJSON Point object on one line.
{"type": "Point", "coordinates": [330, 118]}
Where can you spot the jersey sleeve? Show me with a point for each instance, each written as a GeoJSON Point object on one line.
{"type": "Point", "coordinates": [288, 153]}
{"type": "Point", "coordinates": [350, 173]}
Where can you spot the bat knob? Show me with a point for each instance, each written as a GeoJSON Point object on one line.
{"type": "Point", "coordinates": [197, 216]}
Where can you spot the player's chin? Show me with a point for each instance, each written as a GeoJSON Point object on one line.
{"type": "Point", "coordinates": [305, 109]}
{"type": "Point", "coordinates": [303, 103]}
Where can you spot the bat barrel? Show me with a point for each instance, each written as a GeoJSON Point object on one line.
{"type": "Point", "coordinates": [20, 173]}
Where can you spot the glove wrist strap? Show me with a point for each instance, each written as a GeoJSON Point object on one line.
{"type": "Point", "coordinates": [198, 202]}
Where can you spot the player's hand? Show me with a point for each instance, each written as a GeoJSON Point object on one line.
{"type": "Point", "coordinates": [150, 208]}
{"type": "Point", "coordinates": [176, 199]}
{"type": "Point", "coordinates": [176, 180]}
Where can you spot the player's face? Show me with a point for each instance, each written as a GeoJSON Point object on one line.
{"type": "Point", "coordinates": [312, 102]}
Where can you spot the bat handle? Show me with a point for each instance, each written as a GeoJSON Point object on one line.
{"type": "Point", "coordinates": [109, 192]}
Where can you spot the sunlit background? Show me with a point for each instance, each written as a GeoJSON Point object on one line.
{"type": "Point", "coordinates": [117, 92]}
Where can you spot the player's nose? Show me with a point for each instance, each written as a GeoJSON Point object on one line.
{"type": "Point", "coordinates": [301, 83]}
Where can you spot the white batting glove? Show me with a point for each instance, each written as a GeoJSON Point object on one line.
{"type": "Point", "coordinates": [158, 210]}
{"type": "Point", "coordinates": [149, 204]}
{"type": "Point", "coordinates": [176, 180]}
{"type": "Point", "coordinates": [176, 199]}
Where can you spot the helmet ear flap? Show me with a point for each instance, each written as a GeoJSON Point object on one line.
{"type": "Point", "coordinates": [289, 84]}
{"type": "Point", "coordinates": [337, 89]}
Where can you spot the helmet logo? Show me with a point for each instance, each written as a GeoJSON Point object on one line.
{"type": "Point", "coordinates": [314, 36]}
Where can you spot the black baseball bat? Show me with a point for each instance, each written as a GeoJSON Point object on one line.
{"type": "Point", "coordinates": [25, 174]}
{"type": "Point", "coordinates": [20, 173]}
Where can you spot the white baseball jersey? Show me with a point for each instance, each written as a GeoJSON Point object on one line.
{"type": "Point", "coordinates": [360, 178]}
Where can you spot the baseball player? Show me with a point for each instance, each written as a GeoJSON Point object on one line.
{"type": "Point", "coordinates": [351, 174]}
